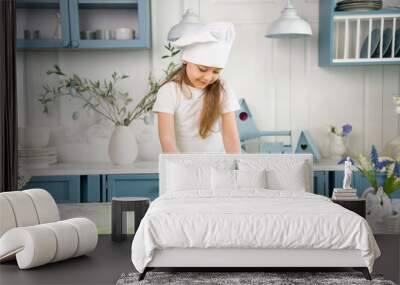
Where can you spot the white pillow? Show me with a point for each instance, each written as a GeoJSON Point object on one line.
{"type": "Point", "coordinates": [188, 177]}
{"type": "Point", "coordinates": [223, 179]}
{"type": "Point", "coordinates": [293, 179]}
{"type": "Point", "coordinates": [281, 174]}
{"type": "Point", "coordinates": [251, 178]}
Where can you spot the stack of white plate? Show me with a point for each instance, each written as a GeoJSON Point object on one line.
{"type": "Point", "coordinates": [359, 5]}
{"type": "Point", "coordinates": [37, 157]}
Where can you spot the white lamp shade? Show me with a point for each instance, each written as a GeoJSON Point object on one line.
{"type": "Point", "coordinates": [190, 22]}
{"type": "Point", "coordinates": [289, 25]}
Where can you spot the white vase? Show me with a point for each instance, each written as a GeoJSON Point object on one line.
{"type": "Point", "coordinates": [337, 147]}
{"type": "Point", "coordinates": [380, 214]}
{"type": "Point", "coordinates": [378, 203]}
{"type": "Point", "coordinates": [122, 148]}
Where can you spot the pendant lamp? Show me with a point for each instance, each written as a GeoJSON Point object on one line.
{"type": "Point", "coordinates": [190, 21]}
{"type": "Point", "coordinates": [289, 25]}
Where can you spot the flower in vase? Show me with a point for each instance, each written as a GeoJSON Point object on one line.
{"type": "Point", "coordinates": [380, 171]}
{"type": "Point", "coordinates": [344, 132]}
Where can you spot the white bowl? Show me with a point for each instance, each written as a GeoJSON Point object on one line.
{"type": "Point", "coordinates": [33, 137]}
{"type": "Point", "coordinates": [123, 34]}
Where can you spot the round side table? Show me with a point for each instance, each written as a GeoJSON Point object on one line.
{"type": "Point", "coordinates": [119, 207]}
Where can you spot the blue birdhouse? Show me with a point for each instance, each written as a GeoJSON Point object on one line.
{"type": "Point", "coordinates": [305, 144]}
{"type": "Point", "coordinates": [248, 130]}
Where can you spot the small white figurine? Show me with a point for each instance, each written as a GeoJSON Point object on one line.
{"type": "Point", "coordinates": [348, 172]}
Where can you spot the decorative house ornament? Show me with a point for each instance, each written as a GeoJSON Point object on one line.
{"type": "Point", "coordinates": [289, 25]}
{"type": "Point", "coordinates": [190, 21]}
{"type": "Point", "coordinates": [245, 122]}
{"type": "Point", "coordinates": [248, 130]}
{"type": "Point", "coordinates": [305, 144]}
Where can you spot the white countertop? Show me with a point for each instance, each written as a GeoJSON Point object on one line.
{"type": "Point", "coordinates": [138, 167]}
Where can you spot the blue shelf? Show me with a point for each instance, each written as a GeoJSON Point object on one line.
{"type": "Point", "coordinates": [38, 44]}
{"type": "Point", "coordinates": [38, 4]}
{"type": "Point", "coordinates": [108, 4]}
{"type": "Point", "coordinates": [69, 10]}
{"type": "Point", "coordinates": [64, 42]}
{"type": "Point", "coordinates": [366, 13]}
{"type": "Point", "coordinates": [107, 44]}
{"type": "Point", "coordinates": [326, 35]}
{"type": "Point", "coordinates": [143, 41]}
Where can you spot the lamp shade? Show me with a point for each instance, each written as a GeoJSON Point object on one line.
{"type": "Point", "coordinates": [289, 25]}
{"type": "Point", "coordinates": [190, 21]}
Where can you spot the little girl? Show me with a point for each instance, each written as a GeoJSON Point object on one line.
{"type": "Point", "coordinates": [195, 109]}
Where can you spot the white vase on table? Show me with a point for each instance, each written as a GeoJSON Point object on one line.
{"type": "Point", "coordinates": [337, 147]}
{"type": "Point", "coordinates": [122, 148]}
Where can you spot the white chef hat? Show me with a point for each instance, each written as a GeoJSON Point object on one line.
{"type": "Point", "coordinates": [208, 45]}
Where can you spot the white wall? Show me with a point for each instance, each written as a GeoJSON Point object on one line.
{"type": "Point", "coordinates": [279, 78]}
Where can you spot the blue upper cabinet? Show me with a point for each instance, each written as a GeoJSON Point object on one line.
{"type": "Point", "coordinates": [74, 24]}
{"type": "Point", "coordinates": [42, 24]}
{"type": "Point", "coordinates": [110, 23]}
{"type": "Point", "coordinates": [358, 37]}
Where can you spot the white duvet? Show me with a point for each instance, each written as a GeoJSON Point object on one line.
{"type": "Point", "coordinates": [250, 219]}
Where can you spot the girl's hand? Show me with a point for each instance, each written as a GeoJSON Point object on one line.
{"type": "Point", "coordinates": [230, 133]}
{"type": "Point", "coordinates": [166, 132]}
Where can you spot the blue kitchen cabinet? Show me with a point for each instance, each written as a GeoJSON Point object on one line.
{"type": "Point", "coordinates": [359, 181]}
{"type": "Point", "coordinates": [86, 16]}
{"type": "Point", "coordinates": [100, 20]}
{"type": "Point", "coordinates": [91, 188]}
{"type": "Point", "coordinates": [132, 185]}
{"type": "Point", "coordinates": [342, 35]}
{"type": "Point", "coordinates": [37, 24]}
{"type": "Point", "coordinates": [321, 183]}
{"type": "Point", "coordinates": [64, 189]}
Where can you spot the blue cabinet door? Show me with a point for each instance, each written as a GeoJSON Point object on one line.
{"type": "Point", "coordinates": [320, 183]}
{"type": "Point", "coordinates": [35, 16]}
{"type": "Point", "coordinates": [91, 188]}
{"type": "Point", "coordinates": [64, 189]}
{"type": "Point", "coordinates": [78, 8]}
{"type": "Point", "coordinates": [362, 183]}
{"type": "Point", "coordinates": [132, 185]}
{"type": "Point", "coordinates": [359, 181]}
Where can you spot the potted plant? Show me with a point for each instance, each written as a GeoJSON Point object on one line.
{"type": "Point", "coordinates": [383, 174]}
{"type": "Point", "coordinates": [106, 100]}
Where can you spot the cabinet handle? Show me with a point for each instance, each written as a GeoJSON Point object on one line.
{"type": "Point", "coordinates": [75, 44]}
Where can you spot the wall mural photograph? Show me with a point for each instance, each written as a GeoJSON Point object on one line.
{"type": "Point", "coordinates": [188, 141]}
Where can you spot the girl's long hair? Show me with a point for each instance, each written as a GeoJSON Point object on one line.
{"type": "Point", "coordinates": [211, 100]}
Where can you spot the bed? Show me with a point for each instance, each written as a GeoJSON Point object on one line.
{"type": "Point", "coordinates": [247, 210]}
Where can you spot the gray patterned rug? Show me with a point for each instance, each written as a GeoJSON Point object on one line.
{"type": "Point", "coordinates": [243, 278]}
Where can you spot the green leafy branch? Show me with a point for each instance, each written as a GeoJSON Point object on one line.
{"type": "Point", "coordinates": [146, 103]}
{"type": "Point", "coordinates": [103, 97]}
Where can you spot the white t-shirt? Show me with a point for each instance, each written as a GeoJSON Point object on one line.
{"type": "Point", "coordinates": [187, 112]}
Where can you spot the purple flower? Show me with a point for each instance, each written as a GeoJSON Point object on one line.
{"type": "Point", "coordinates": [396, 170]}
{"type": "Point", "coordinates": [378, 165]}
{"type": "Point", "coordinates": [346, 129]}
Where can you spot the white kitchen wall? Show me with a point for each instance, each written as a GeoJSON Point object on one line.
{"type": "Point", "coordinates": [279, 78]}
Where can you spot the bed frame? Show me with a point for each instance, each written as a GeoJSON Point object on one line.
{"type": "Point", "coordinates": [242, 259]}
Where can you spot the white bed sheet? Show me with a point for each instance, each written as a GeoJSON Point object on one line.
{"type": "Point", "coordinates": [252, 218]}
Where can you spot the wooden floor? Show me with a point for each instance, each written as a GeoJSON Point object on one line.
{"type": "Point", "coordinates": [102, 266]}
{"type": "Point", "coordinates": [110, 259]}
